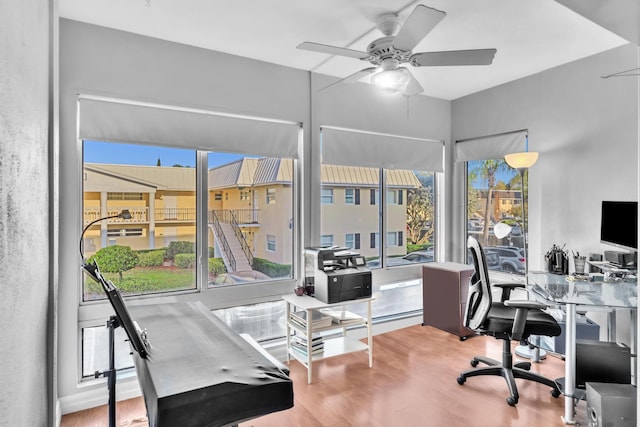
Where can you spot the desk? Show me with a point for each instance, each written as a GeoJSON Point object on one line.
{"type": "Point", "coordinates": [555, 289]}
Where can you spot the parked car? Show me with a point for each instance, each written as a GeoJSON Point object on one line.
{"type": "Point", "coordinates": [410, 258]}
{"type": "Point", "coordinates": [511, 258]}
{"type": "Point", "coordinates": [420, 256]}
{"type": "Point", "coordinates": [238, 277]}
{"type": "Point", "coordinates": [492, 258]}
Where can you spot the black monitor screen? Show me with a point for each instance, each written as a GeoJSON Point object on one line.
{"type": "Point", "coordinates": [619, 224]}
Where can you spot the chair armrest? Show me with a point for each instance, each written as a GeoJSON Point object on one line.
{"type": "Point", "coordinates": [507, 288]}
{"type": "Point", "coordinates": [522, 309]}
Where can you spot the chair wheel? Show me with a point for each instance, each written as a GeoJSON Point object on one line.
{"type": "Point", "coordinates": [474, 363]}
{"type": "Point", "coordinates": [555, 393]}
{"type": "Point", "coordinates": [461, 380]}
{"type": "Point", "coordinates": [512, 401]}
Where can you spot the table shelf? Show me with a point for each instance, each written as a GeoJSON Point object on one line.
{"type": "Point", "coordinates": [332, 346]}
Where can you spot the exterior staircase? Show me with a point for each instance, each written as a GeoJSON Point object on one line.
{"type": "Point", "coordinates": [242, 263]}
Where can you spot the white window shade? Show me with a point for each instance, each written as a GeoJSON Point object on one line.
{"type": "Point", "coordinates": [106, 119]}
{"type": "Point", "coordinates": [349, 147]}
{"type": "Point", "coordinates": [490, 147]}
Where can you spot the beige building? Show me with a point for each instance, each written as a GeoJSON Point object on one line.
{"type": "Point", "coordinates": [250, 205]}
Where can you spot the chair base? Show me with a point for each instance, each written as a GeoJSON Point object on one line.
{"type": "Point", "coordinates": [509, 372]}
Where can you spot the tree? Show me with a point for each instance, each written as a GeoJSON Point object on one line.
{"type": "Point", "coordinates": [158, 163]}
{"type": "Point", "coordinates": [419, 215]}
{"type": "Point", "coordinates": [487, 170]}
{"type": "Point", "coordinates": [115, 259]}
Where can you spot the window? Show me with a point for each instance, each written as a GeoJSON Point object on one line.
{"type": "Point", "coordinates": [326, 198]}
{"type": "Point", "coordinates": [147, 262]}
{"type": "Point", "coordinates": [494, 192]}
{"type": "Point", "coordinates": [271, 196]}
{"type": "Point", "coordinates": [374, 197]}
{"type": "Point", "coordinates": [271, 243]}
{"type": "Point", "coordinates": [394, 197]}
{"type": "Point", "coordinates": [244, 236]}
{"type": "Point", "coordinates": [124, 232]}
{"type": "Point", "coordinates": [394, 238]}
{"type": "Point", "coordinates": [124, 196]}
{"type": "Point", "coordinates": [326, 240]}
{"type": "Point", "coordinates": [174, 191]}
{"type": "Point", "coordinates": [352, 196]}
{"type": "Point", "coordinates": [352, 240]}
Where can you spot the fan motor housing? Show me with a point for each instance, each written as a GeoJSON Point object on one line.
{"type": "Point", "coordinates": [382, 49]}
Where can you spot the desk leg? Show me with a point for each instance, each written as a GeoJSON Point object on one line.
{"type": "Point", "coordinates": [570, 365]}
{"type": "Point", "coordinates": [633, 312]}
{"type": "Point", "coordinates": [369, 336]}
{"type": "Point", "coordinates": [309, 340]}
{"type": "Point", "coordinates": [287, 316]}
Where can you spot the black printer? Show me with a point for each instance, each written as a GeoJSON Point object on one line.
{"type": "Point", "coordinates": [337, 274]}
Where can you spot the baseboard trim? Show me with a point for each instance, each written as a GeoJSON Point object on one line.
{"type": "Point", "coordinates": [127, 388]}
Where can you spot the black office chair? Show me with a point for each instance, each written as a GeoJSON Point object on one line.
{"type": "Point", "coordinates": [506, 320]}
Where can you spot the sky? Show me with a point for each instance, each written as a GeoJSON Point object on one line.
{"type": "Point", "coordinates": [131, 154]}
{"type": "Point", "coordinates": [144, 155]}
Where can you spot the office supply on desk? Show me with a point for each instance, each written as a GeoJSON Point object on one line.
{"type": "Point", "coordinates": [556, 290]}
{"type": "Point", "coordinates": [506, 320]}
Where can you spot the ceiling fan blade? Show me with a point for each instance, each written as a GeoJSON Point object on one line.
{"type": "Point", "coordinates": [453, 57]}
{"type": "Point", "coordinates": [352, 78]}
{"type": "Point", "coordinates": [421, 21]}
{"type": "Point", "coordinates": [413, 87]}
{"type": "Point", "coordinates": [333, 50]}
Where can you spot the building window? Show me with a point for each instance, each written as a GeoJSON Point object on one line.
{"type": "Point", "coordinates": [244, 195]}
{"type": "Point", "coordinates": [374, 197]}
{"type": "Point", "coordinates": [352, 196]}
{"type": "Point", "coordinates": [124, 232]}
{"type": "Point", "coordinates": [271, 243]}
{"type": "Point", "coordinates": [352, 240]}
{"type": "Point", "coordinates": [271, 196]}
{"type": "Point", "coordinates": [217, 197]}
{"type": "Point", "coordinates": [326, 198]}
{"type": "Point", "coordinates": [394, 238]}
{"type": "Point", "coordinates": [124, 196]}
{"type": "Point", "coordinates": [326, 240]}
{"type": "Point", "coordinates": [394, 197]}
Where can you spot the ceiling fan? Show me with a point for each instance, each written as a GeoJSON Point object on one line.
{"type": "Point", "coordinates": [386, 54]}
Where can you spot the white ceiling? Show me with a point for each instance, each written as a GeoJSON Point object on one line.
{"type": "Point", "coordinates": [530, 35]}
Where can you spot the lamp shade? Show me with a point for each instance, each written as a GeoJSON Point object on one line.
{"type": "Point", "coordinates": [393, 80]}
{"type": "Point", "coordinates": [522, 160]}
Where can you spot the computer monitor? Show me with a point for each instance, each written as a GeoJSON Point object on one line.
{"type": "Point", "coordinates": [619, 224]}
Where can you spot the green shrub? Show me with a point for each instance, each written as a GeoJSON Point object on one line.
{"type": "Point", "coordinates": [181, 247]}
{"type": "Point", "coordinates": [271, 269]}
{"type": "Point", "coordinates": [216, 266]}
{"type": "Point", "coordinates": [184, 260]}
{"type": "Point", "coordinates": [413, 248]}
{"type": "Point", "coordinates": [151, 258]}
{"type": "Point", "coordinates": [115, 259]}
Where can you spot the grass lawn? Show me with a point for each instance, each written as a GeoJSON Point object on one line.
{"type": "Point", "coordinates": [142, 280]}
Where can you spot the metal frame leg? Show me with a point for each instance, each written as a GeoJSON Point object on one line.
{"type": "Point", "coordinates": [570, 365]}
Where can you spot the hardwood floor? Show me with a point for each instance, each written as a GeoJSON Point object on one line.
{"type": "Point", "coordinates": [412, 383]}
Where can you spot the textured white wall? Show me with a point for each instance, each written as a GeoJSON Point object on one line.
{"type": "Point", "coordinates": [24, 216]}
{"type": "Point", "coordinates": [586, 130]}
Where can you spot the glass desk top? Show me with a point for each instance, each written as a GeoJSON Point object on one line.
{"type": "Point", "coordinates": [560, 290]}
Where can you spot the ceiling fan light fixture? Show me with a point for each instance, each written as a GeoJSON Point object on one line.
{"type": "Point", "coordinates": [392, 80]}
